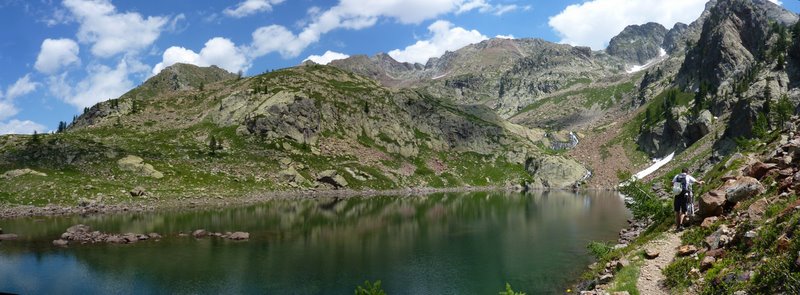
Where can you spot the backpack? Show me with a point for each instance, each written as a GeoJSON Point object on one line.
{"type": "Point", "coordinates": [680, 185]}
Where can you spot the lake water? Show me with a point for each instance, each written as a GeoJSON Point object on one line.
{"type": "Point", "coordinates": [453, 243]}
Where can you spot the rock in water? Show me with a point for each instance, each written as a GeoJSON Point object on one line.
{"type": "Point", "coordinates": [200, 233]}
{"type": "Point", "coordinates": [239, 236]}
{"type": "Point", "coordinates": [60, 243]}
{"type": "Point", "coordinates": [8, 237]}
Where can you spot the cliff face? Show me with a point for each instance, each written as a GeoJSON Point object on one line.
{"type": "Point", "coordinates": [638, 44]}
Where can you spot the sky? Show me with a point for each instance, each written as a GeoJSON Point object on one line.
{"type": "Point", "coordinates": [61, 56]}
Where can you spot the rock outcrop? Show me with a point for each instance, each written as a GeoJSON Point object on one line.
{"type": "Point", "coordinates": [638, 44]}
{"type": "Point", "coordinates": [137, 165]}
{"type": "Point", "coordinates": [20, 172]}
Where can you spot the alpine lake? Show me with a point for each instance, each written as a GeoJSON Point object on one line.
{"type": "Point", "coordinates": [444, 243]}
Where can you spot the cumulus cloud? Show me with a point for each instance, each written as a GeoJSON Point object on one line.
{"type": "Point", "coordinates": [250, 7]}
{"type": "Point", "coordinates": [505, 37]}
{"type": "Point", "coordinates": [100, 84]}
{"type": "Point", "coordinates": [7, 109]}
{"type": "Point", "coordinates": [444, 37]}
{"type": "Point", "coordinates": [218, 51]}
{"type": "Point", "coordinates": [593, 23]}
{"type": "Point", "coordinates": [327, 57]}
{"type": "Point", "coordinates": [354, 15]}
{"type": "Point", "coordinates": [56, 54]}
{"type": "Point", "coordinates": [21, 127]}
{"type": "Point", "coordinates": [111, 32]}
{"type": "Point", "coordinates": [22, 87]}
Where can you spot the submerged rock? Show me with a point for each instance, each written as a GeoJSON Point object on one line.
{"type": "Point", "coordinates": [8, 237]}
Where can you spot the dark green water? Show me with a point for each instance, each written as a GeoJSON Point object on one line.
{"type": "Point", "coordinates": [462, 243]}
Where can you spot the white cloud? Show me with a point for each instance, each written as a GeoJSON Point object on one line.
{"type": "Point", "coordinates": [22, 87]}
{"type": "Point", "coordinates": [593, 23]}
{"type": "Point", "coordinates": [218, 51]}
{"type": "Point", "coordinates": [55, 54]}
{"type": "Point", "coordinates": [100, 84]}
{"type": "Point", "coordinates": [354, 15]}
{"type": "Point", "coordinates": [111, 32]}
{"type": "Point", "coordinates": [21, 127]}
{"type": "Point", "coordinates": [505, 37]}
{"type": "Point", "coordinates": [7, 110]}
{"type": "Point", "coordinates": [444, 37]}
{"type": "Point", "coordinates": [503, 9]}
{"type": "Point", "coordinates": [327, 57]}
{"type": "Point", "coordinates": [776, 2]}
{"type": "Point", "coordinates": [250, 7]}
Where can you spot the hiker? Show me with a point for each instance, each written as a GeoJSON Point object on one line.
{"type": "Point", "coordinates": [682, 185]}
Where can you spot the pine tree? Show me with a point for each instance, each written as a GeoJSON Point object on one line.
{"type": "Point", "coordinates": [212, 145]}
{"type": "Point", "coordinates": [62, 126]}
{"type": "Point", "coordinates": [700, 99]}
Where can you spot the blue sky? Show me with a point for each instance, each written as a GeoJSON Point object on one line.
{"type": "Point", "coordinates": [61, 56]}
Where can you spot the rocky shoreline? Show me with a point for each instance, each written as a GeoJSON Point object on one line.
{"type": "Point", "coordinates": [150, 205]}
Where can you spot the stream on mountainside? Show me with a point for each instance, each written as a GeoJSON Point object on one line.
{"type": "Point", "coordinates": [445, 243]}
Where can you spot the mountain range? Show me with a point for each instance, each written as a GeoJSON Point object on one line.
{"type": "Point", "coordinates": [523, 113]}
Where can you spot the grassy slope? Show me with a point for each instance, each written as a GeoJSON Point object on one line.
{"type": "Point", "coordinates": [247, 164]}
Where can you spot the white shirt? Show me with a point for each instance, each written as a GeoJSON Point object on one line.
{"type": "Point", "coordinates": [689, 180]}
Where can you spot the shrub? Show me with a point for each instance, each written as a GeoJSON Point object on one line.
{"type": "Point", "coordinates": [369, 288]}
{"type": "Point", "coordinates": [509, 291]}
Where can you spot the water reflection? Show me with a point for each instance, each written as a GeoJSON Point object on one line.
{"type": "Point", "coordinates": [455, 243]}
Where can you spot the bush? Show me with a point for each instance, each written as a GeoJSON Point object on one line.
{"type": "Point", "coordinates": [599, 249]}
{"type": "Point", "coordinates": [644, 204]}
{"type": "Point", "coordinates": [677, 273]}
{"type": "Point", "coordinates": [370, 288]}
{"type": "Point", "coordinates": [509, 291]}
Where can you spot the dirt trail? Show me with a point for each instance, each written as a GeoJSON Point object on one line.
{"type": "Point", "coordinates": [651, 280]}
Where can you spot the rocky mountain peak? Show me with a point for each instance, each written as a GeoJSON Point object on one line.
{"type": "Point", "coordinates": [735, 34]}
{"type": "Point", "coordinates": [181, 76]}
{"type": "Point", "coordinates": [637, 44]}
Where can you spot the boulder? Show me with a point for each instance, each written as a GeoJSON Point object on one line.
{"type": "Point", "coordinates": [651, 253]}
{"type": "Point", "coordinates": [707, 263]}
{"type": "Point", "coordinates": [291, 176]}
{"type": "Point", "coordinates": [757, 209]}
{"type": "Point", "coordinates": [138, 191]}
{"type": "Point", "coordinates": [8, 237]}
{"type": "Point", "coordinates": [137, 165]}
{"type": "Point", "coordinates": [239, 236]}
{"type": "Point", "coordinates": [114, 239]}
{"type": "Point", "coordinates": [686, 250]}
{"type": "Point", "coordinates": [556, 172]}
{"type": "Point", "coordinates": [200, 233]}
{"type": "Point", "coordinates": [606, 278]}
{"type": "Point", "coordinates": [154, 236]}
{"type": "Point", "coordinates": [742, 189]}
{"type": "Point", "coordinates": [20, 172]}
{"type": "Point", "coordinates": [760, 169]}
{"type": "Point", "coordinates": [712, 241]}
{"type": "Point", "coordinates": [711, 204]}
{"type": "Point", "coordinates": [332, 177]}
{"type": "Point", "coordinates": [60, 243]}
